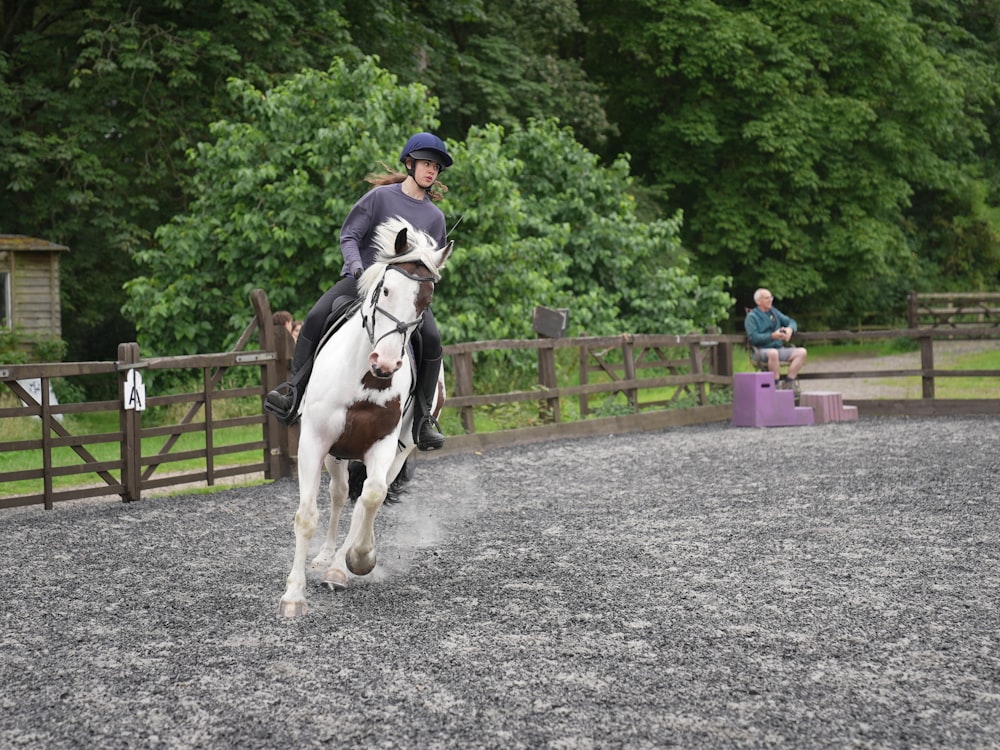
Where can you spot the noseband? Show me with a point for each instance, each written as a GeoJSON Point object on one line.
{"type": "Point", "coordinates": [401, 327]}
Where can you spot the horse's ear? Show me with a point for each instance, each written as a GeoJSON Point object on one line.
{"type": "Point", "coordinates": [401, 243]}
{"type": "Point", "coordinates": [444, 253]}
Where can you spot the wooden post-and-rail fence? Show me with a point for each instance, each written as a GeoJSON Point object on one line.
{"type": "Point", "coordinates": [133, 470]}
{"type": "Point", "coordinates": [658, 381]}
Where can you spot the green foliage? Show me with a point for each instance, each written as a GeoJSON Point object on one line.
{"type": "Point", "coordinates": [544, 222]}
{"type": "Point", "coordinates": [99, 100]}
{"type": "Point", "coordinates": [795, 136]}
{"type": "Point", "coordinates": [839, 151]}
{"type": "Point", "coordinates": [271, 192]}
{"type": "Point", "coordinates": [50, 349]}
{"type": "Point", "coordinates": [488, 61]}
{"type": "Point", "coordinates": [14, 350]}
{"type": "Point", "coordinates": [11, 352]}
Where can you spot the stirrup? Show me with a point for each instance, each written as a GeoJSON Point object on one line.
{"type": "Point", "coordinates": [429, 437]}
{"type": "Point", "coordinates": [283, 403]}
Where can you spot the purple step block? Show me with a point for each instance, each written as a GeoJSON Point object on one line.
{"type": "Point", "coordinates": [828, 406]}
{"type": "Point", "coordinates": [757, 403]}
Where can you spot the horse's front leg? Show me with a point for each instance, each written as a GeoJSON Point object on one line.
{"type": "Point", "coordinates": [359, 547]}
{"type": "Point", "coordinates": [293, 601]}
{"type": "Point", "coordinates": [327, 559]}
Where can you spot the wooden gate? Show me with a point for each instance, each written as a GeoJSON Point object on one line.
{"type": "Point", "coordinates": [134, 470]}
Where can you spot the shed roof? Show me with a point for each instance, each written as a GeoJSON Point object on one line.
{"type": "Point", "coordinates": [23, 243]}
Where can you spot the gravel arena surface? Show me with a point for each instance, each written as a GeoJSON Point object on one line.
{"type": "Point", "coordinates": [697, 587]}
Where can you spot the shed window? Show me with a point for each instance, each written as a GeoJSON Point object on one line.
{"type": "Point", "coordinates": [4, 299]}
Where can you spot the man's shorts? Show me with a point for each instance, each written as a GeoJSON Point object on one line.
{"type": "Point", "coordinates": [784, 354]}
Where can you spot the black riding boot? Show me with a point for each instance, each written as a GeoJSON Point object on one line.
{"type": "Point", "coordinates": [426, 431]}
{"type": "Point", "coordinates": [283, 401]}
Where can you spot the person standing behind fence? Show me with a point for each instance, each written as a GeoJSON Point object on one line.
{"type": "Point", "coordinates": [768, 331]}
{"type": "Point", "coordinates": [283, 318]}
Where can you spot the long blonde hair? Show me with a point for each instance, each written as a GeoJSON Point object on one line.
{"type": "Point", "coordinates": [391, 177]}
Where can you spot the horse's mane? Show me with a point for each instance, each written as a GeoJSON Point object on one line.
{"type": "Point", "coordinates": [420, 249]}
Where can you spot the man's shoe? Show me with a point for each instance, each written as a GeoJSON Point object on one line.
{"type": "Point", "coordinates": [429, 437]}
{"type": "Point", "coordinates": [793, 385]}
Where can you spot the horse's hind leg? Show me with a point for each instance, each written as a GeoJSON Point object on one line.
{"type": "Point", "coordinates": [327, 559]}
{"type": "Point", "coordinates": [293, 601]}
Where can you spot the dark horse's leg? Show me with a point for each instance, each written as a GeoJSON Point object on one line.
{"type": "Point", "coordinates": [397, 485]}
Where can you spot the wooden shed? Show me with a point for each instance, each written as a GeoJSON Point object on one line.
{"type": "Point", "coordinates": [30, 304]}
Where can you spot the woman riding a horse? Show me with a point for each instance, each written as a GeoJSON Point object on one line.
{"type": "Point", "coordinates": [359, 407]}
{"type": "Point", "coordinates": [408, 196]}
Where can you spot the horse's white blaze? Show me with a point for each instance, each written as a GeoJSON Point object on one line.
{"type": "Point", "coordinates": [349, 404]}
{"type": "Point", "coordinates": [396, 309]}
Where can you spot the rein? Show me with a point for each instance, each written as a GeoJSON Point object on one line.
{"type": "Point", "coordinates": [401, 327]}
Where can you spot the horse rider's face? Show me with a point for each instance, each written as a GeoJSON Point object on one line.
{"type": "Point", "coordinates": [425, 172]}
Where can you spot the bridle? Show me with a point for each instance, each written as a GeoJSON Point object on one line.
{"type": "Point", "coordinates": [401, 327]}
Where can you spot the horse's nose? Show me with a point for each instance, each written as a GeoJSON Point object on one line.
{"type": "Point", "coordinates": [383, 367]}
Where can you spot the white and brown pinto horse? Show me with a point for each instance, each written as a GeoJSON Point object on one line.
{"type": "Point", "coordinates": [358, 406]}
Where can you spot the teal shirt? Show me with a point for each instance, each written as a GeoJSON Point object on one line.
{"type": "Point", "coordinates": [760, 325]}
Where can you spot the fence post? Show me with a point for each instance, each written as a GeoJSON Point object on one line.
{"type": "Point", "coordinates": [584, 379]}
{"type": "Point", "coordinates": [206, 394]}
{"type": "Point", "coordinates": [926, 364]}
{"type": "Point", "coordinates": [131, 428]}
{"type": "Point", "coordinates": [722, 359]}
{"type": "Point", "coordinates": [46, 417]}
{"type": "Point", "coordinates": [912, 315]}
{"type": "Point", "coordinates": [549, 408]}
{"type": "Point", "coordinates": [277, 458]}
{"type": "Point", "coordinates": [695, 353]}
{"type": "Point", "coordinates": [462, 362]}
{"type": "Point", "coordinates": [628, 362]}
{"type": "Point", "coordinates": [548, 324]}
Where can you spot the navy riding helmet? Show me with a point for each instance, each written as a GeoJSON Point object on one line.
{"type": "Point", "coordinates": [426, 146]}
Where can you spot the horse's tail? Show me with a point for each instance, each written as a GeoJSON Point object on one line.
{"type": "Point", "coordinates": [357, 473]}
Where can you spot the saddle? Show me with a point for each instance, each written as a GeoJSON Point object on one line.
{"type": "Point", "coordinates": [340, 311]}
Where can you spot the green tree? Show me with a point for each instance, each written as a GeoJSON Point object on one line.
{"type": "Point", "coordinates": [543, 222]}
{"type": "Point", "coordinates": [550, 225]}
{"type": "Point", "coordinates": [270, 192]}
{"type": "Point", "coordinates": [795, 136]}
{"type": "Point", "coordinates": [99, 100]}
{"type": "Point", "coordinates": [488, 61]}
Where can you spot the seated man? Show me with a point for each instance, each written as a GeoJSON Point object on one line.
{"type": "Point", "coordinates": [768, 329]}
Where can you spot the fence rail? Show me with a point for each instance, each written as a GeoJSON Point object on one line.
{"type": "Point", "coordinates": [707, 366]}
{"type": "Point", "coordinates": [132, 471]}
{"type": "Point", "coordinates": [683, 371]}
{"type": "Point", "coordinates": [953, 309]}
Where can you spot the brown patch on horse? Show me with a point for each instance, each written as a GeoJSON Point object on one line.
{"type": "Point", "coordinates": [373, 383]}
{"type": "Point", "coordinates": [426, 291]}
{"type": "Point", "coordinates": [366, 423]}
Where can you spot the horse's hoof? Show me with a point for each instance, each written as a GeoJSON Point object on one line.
{"type": "Point", "coordinates": [290, 610]}
{"type": "Point", "coordinates": [335, 580]}
{"type": "Point", "coordinates": [321, 563]}
{"type": "Point", "coordinates": [361, 567]}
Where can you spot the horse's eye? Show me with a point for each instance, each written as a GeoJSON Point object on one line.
{"type": "Point", "coordinates": [385, 292]}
